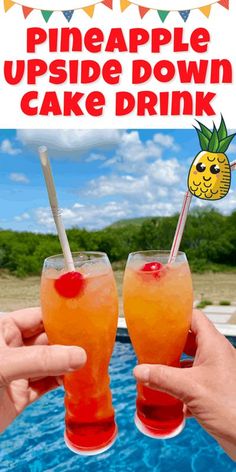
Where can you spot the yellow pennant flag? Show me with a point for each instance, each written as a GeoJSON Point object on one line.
{"type": "Point", "coordinates": [206, 10]}
{"type": "Point", "coordinates": [124, 4]}
{"type": "Point", "coordinates": [89, 10]}
{"type": "Point", "coordinates": [8, 4]}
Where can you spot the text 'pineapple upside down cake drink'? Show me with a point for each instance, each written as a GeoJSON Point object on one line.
{"type": "Point", "coordinates": [158, 302]}
{"type": "Point", "coordinates": [80, 308]}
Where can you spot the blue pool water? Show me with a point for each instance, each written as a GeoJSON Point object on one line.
{"type": "Point", "coordinates": [34, 442]}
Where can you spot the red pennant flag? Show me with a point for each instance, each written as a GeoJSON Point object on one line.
{"type": "Point", "coordinates": [224, 3]}
{"type": "Point", "coordinates": [143, 11]}
{"type": "Point", "coordinates": [108, 3]}
{"type": "Point", "coordinates": [26, 11]}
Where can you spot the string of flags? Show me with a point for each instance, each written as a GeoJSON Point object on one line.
{"type": "Point", "coordinates": [124, 4]}
{"type": "Point", "coordinates": [206, 10]}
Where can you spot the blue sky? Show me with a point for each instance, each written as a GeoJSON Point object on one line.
{"type": "Point", "coordinates": [101, 176]}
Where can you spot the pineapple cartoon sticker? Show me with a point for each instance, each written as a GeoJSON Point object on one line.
{"type": "Point", "coordinates": [210, 175]}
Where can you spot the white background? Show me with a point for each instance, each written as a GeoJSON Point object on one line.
{"type": "Point", "coordinates": [221, 26]}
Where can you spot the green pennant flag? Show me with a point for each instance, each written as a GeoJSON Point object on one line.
{"type": "Point", "coordinates": [163, 14]}
{"type": "Point", "coordinates": [46, 14]}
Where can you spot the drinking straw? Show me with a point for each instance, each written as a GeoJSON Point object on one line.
{"type": "Point", "coordinates": [55, 209]}
{"type": "Point", "coordinates": [182, 221]}
{"type": "Point", "coordinates": [180, 227]}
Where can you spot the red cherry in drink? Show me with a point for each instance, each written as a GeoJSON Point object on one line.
{"type": "Point", "coordinates": [153, 267]}
{"type": "Point", "coordinates": [70, 285]}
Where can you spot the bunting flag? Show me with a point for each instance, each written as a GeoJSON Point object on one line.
{"type": "Point", "coordinates": [68, 14]}
{"type": "Point", "coordinates": [89, 10]}
{"type": "Point", "coordinates": [26, 11]}
{"type": "Point", "coordinates": [124, 4]}
{"type": "Point", "coordinates": [206, 9]}
{"type": "Point", "coordinates": [184, 14]}
{"type": "Point", "coordinates": [143, 11]}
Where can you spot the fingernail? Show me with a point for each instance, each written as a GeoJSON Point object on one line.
{"type": "Point", "coordinates": [142, 373]}
{"type": "Point", "coordinates": [77, 358]}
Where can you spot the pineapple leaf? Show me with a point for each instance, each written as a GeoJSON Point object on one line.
{"type": "Point", "coordinates": [214, 141]}
{"type": "Point", "coordinates": [222, 131]}
{"type": "Point", "coordinates": [207, 132]}
{"type": "Point", "coordinates": [224, 143]}
{"type": "Point", "coordinates": [203, 140]}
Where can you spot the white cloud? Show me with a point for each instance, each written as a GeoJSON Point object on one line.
{"type": "Point", "coordinates": [7, 147]}
{"type": "Point", "coordinates": [19, 178]}
{"type": "Point", "coordinates": [23, 217]}
{"type": "Point", "coordinates": [166, 141]}
{"type": "Point", "coordinates": [70, 144]}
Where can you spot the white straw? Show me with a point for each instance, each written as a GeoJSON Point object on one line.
{"type": "Point", "coordinates": [182, 221]}
{"type": "Point", "coordinates": [54, 207]}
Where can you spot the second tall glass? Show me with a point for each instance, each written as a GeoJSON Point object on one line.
{"type": "Point", "coordinates": [80, 308]}
{"type": "Point", "coordinates": [158, 302]}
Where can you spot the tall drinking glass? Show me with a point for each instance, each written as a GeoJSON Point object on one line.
{"type": "Point", "coordinates": [80, 308]}
{"type": "Point", "coordinates": [158, 300]}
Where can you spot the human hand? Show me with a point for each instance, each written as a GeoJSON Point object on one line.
{"type": "Point", "coordinates": [208, 388]}
{"type": "Point", "coordinates": [29, 367]}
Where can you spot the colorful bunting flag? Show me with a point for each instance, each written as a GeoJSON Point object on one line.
{"type": "Point", "coordinates": [206, 10]}
{"type": "Point", "coordinates": [89, 10]}
{"type": "Point", "coordinates": [46, 14]}
{"type": "Point", "coordinates": [26, 11]}
{"type": "Point", "coordinates": [143, 11]}
{"type": "Point", "coordinates": [224, 3]}
{"type": "Point", "coordinates": [8, 4]}
{"type": "Point", "coordinates": [124, 4]}
{"type": "Point", "coordinates": [163, 14]}
{"type": "Point", "coordinates": [184, 14]}
{"type": "Point", "coordinates": [68, 14]}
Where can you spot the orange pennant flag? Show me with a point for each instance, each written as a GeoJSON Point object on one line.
{"type": "Point", "coordinates": [89, 10]}
{"type": "Point", "coordinates": [8, 4]}
{"type": "Point", "coordinates": [143, 11]}
{"type": "Point", "coordinates": [224, 3]}
{"type": "Point", "coordinates": [108, 3]}
{"type": "Point", "coordinates": [26, 11]}
{"type": "Point", "coordinates": [124, 4]}
{"type": "Point", "coordinates": [206, 10]}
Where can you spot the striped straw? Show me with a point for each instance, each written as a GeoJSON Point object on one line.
{"type": "Point", "coordinates": [182, 222]}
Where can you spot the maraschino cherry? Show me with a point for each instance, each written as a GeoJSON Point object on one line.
{"type": "Point", "coordinates": [70, 285]}
{"type": "Point", "coordinates": [154, 268]}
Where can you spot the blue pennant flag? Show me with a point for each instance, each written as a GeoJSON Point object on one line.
{"type": "Point", "coordinates": [184, 14]}
{"type": "Point", "coordinates": [68, 14]}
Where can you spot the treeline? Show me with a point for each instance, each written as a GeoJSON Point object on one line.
{"type": "Point", "coordinates": [209, 242]}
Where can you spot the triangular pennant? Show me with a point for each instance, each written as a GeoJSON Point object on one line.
{"type": "Point", "coordinates": [163, 14]}
{"type": "Point", "coordinates": [26, 11]}
{"type": "Point", "coordinates": [184, 14]}
{"type": "Point", "coordinates": [143, 11]}
{"type": "Point", "coordinates": [89, 10]}
{"type": "Point", "coordinates": [68, 14]}
{"type": "Point", "coordinates": [8, 4]}
{"type": "Point", "coordinates": [124, 4]}
{"type": "Point", "coordinates": [206, 10]}
{"type": "Point", "coordinates": [224, 3]}
{"type": "Point", "coordinates": [46, 14]}
{"type": "Point", "coordinates": [108, 3]}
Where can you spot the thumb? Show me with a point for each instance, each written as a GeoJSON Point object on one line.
{"type": "Point", "coordinates": [39, 361]}
{"type": "Point", "coordinates": [175, 381]}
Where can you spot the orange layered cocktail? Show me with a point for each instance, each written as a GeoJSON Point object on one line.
{"type": "Point", "coordinates": [158, 302]}
{"type": "Point", "coordinates": [80, 308]}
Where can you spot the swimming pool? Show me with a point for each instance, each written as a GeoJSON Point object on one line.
{"type": "Point", "coordinates": [34, 442]}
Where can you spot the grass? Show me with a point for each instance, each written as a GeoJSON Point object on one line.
{"type": "Point", "coordinates": [225, 303]}
{"type": "Point", "coordinates": [204, 303]}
